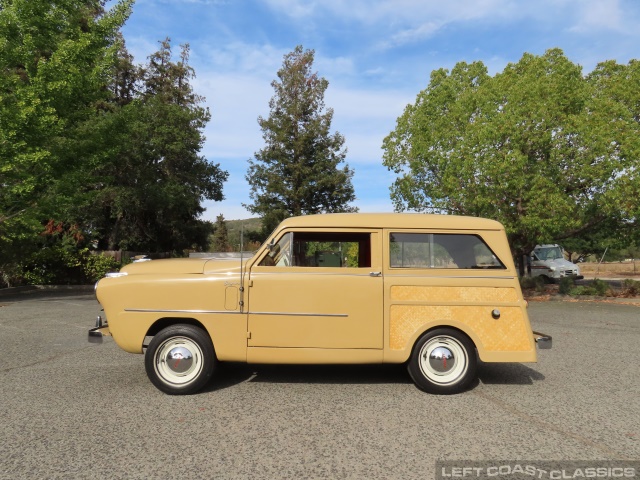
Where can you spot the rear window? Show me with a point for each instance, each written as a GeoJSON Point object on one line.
{"type": "Point", "coordinates": [435, 250]}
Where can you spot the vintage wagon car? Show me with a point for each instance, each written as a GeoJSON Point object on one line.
{"type": "Point", "coordinates": [433, 291]}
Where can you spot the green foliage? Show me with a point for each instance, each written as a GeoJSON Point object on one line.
{"type": "Point", "coordinates": [597, 287]}
{"type": "Point", "coordinates": [600, 286]}
{"type": "Point", "coordinates": [583, 290]}
{"type": "Point", "coordinates": [55, 58]}
{"type": "Point", "coordinates": [61, 265]}
{"type": "Point", "coordinates": [566, 285]}
{"type": "Point", "coordinates": [96, 266]}
{"type": "Point", "coordinates": [59, 256]}
{"type": "Point", "coordinates": [548, 152]}
{"type": "Point", "coordinates": [252, 233]}
{"type": "Point", "coordinates": [220, 240]}
{"type": "Point", "coordinates": [537, 283]}
{"type": "Point", "coordinates": [298, 171]}
{"type": "Point", "coordinates": [91, 140]}
{"type": "Point", "coordinates": [152, 178]}
{"type": "Point", "coordinates": [630, 288]}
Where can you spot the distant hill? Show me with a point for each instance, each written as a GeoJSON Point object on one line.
{"type": "Point", "coordinates": [250, 224]}
{"type": "Point", "coordinates": [234, 227]}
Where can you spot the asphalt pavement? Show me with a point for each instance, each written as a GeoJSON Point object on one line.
{"type": "Point", "coordinates": [70, 409]}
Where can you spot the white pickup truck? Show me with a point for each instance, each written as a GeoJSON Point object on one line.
{"type": "Point", "coordinates": [548, 261]}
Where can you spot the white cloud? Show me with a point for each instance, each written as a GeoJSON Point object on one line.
{"type": "Point", "coordinates": [294, 8]}
{"type": "Point", "coordinates": [400, 22]}
{"type": "Point", "coordinates": [260, 59]}
{"type": "Point", "coordinates": [235, 102]}
{"type": "Point", "coordinates": [601, 15]}
{"type": "Point", "coordinates": [333, 66]}
{"type": "Point", "coordinates": [140, 47]}
{"type": "Point", "coordinates": [416, 34]}
{"type": "Point", "coordinates": [362, 104]}
{"type": "Point", "coordinates": [389, 11]}
{"type": "Point", "coordinates": [412, 21]}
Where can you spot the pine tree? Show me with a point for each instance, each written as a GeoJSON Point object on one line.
{"type": "Point", "coordinates": [154, 180]}
{"type": "Point", "coordinates": [298, 171]}
{"type": "Point", "coordinates": [220, 241]}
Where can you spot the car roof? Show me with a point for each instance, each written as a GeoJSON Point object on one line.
{"type": "Point", "coordinates": [391, 220]}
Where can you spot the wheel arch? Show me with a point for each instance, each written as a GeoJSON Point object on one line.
{"type": "Point", "coordinates": [165, 322]}
{"type": "Point", "coordinates": [401, 356]}
{"type": "Point", "coordinates": [449, 325]}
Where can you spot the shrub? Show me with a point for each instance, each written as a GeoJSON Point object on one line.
{"type": "Point", "coordinates": [598, 288]}
{"type": "Point", "coordinates": [56, 265]}
{"type": "Point", "coordinates": [566, 285]}
{"type": "Point", "coordinates": [601, 287]}
{"type": "Point", "coordinates": [527, 283]}
{"type": "Point", "coordinates": [533, 283]}
{"type": "Point", "coordinates": [584, 290]}
{"type": "Point", "coordinates": [96, 266]}
{"type": "Point", "coordinates": [630, 288]}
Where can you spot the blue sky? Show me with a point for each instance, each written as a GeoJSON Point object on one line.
{"type": "Point", "coordinates": [377, 55]}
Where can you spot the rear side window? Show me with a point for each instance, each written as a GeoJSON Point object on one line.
{"type": "Point", "coordinates": [435, 250]}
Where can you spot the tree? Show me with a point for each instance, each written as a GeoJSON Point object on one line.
{"type": "Point", "coordinates": [55, 58]}
{"type": "Point", "coordinates": [549, 153]}
{"type": "Point", "coordinates": [220, 241]}
{"type": "Point", "coordinates": [153, 179]}
{"type": "Point", "coordinates": [298, 171]}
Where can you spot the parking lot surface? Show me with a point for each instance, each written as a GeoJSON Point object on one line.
{"type": "Point", "coordinates": [70, 409]}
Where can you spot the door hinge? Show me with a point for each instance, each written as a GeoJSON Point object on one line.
{"type": "Point", "coordinates": [249, 335]}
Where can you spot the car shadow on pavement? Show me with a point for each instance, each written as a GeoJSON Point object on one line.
{"type": "Point", "coordinates": [230, 374]}
{"type": "Point", "coordinates": [507, 374]}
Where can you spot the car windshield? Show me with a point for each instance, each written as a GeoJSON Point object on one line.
{"type": "Point", "coordinates": [549, 253]}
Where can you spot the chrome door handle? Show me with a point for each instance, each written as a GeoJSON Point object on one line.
{"type": "Point", "coordinates": [375, 274]}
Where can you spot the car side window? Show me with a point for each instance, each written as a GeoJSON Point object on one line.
{"type": "Point", "coordinates": [321, 249]}
{"type": "Point", "coordinates": [427, 250]}
{"type": "Point", "coordinates": [279, 253]}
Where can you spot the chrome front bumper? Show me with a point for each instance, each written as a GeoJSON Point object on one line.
{"type": "Point", "coordinates": [101, 329]}
{"type": "Point", "coordinates": [543, 341]}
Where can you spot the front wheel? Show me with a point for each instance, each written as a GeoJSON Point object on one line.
{"type": "Point", "coordinates": [443, 361]}
{"type": "Point", "coordinates": [180, 359]}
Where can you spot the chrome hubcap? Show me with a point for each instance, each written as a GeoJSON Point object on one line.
{"type": "Point", "coordinates": [443, 360]}
{"type": "Point", "coordinates": [178, 361]}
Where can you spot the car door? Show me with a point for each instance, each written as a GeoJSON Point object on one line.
{"type": "Point", "coordinates": [318, 289]}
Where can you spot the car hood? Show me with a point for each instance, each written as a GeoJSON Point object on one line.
{"type": "Point", "coordinates": [183, 266]}
{"type": "Point", "coordinates": [558, 262]}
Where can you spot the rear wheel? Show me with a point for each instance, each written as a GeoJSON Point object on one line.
{"type": "Point", "coordinates": [180, 359]}
{"type": "Point", "coordinates": [443, 361]}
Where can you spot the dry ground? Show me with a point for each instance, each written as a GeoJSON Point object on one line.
{"type": "Point", "coordinates": [605, 269]}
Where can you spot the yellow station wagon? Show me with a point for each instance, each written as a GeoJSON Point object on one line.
{"type": "Point", "coordinates": [432, 291]}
